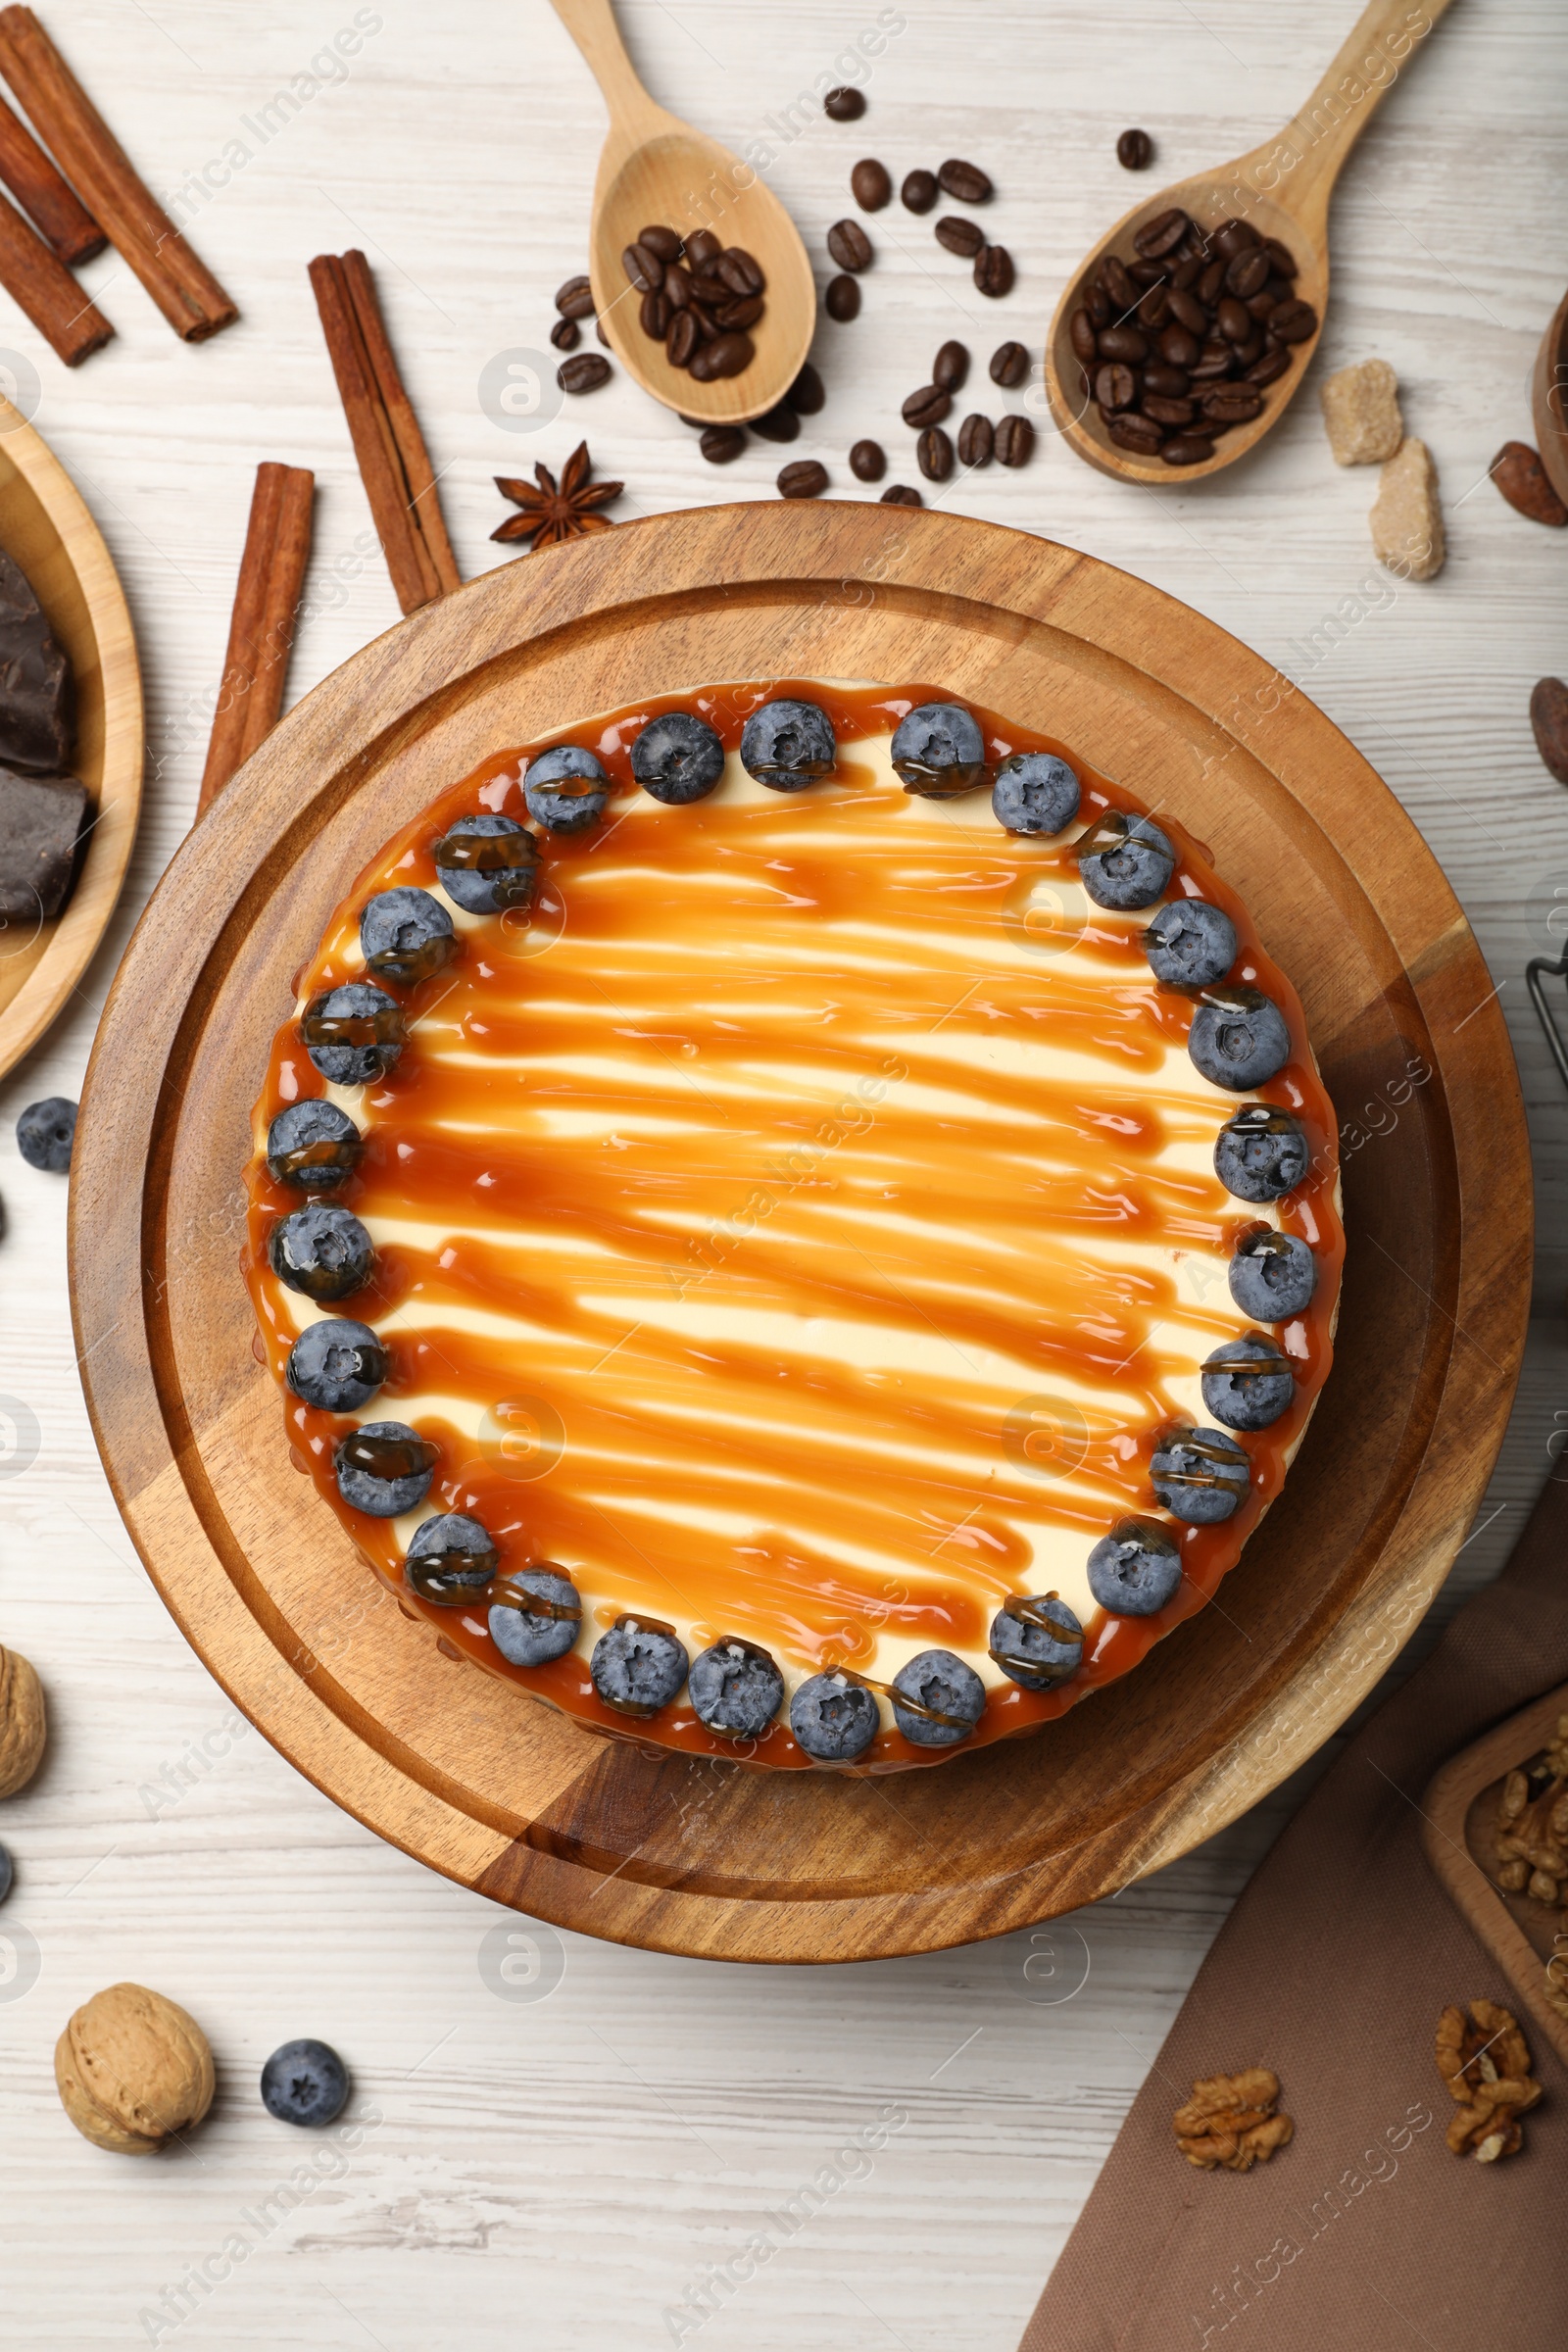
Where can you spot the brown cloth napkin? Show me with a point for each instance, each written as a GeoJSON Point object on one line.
{"type": "Point", "coordinates": [1364, 2235]}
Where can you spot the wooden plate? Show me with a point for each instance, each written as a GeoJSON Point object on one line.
{"type": "Point", "coordinates": [1549, 400]}
{"type": "Point", "coordinates": [1457, 1813]}
{"type": "Point", "coordinates": [46, 530]}
{"type": "Point", "coordinates": [656, 1849]}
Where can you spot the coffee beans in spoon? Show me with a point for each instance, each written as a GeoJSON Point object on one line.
{"type": "Point", "coordinates": [700, 299]}
{"type": "Point", "coordinates": [1177, 340]}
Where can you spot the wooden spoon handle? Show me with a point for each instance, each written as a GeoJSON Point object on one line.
{"type": "Point", "coordinates": [1315, 142]}
{"type": "Point", "coordinates": [592, 25]}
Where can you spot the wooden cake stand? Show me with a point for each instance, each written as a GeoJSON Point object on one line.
{"type": "Point", "coordinates": [626, 1841]}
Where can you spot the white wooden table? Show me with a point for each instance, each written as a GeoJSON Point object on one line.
{"type": "Point", "coordinates": [562, 2160]}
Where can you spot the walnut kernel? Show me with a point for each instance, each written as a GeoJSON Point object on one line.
{"type": "Point", "coordinates": [1230, 2120]}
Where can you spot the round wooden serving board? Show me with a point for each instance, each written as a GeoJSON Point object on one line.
{"type": "Point", "coordinates": [684, 1855]}
{"type": "Point", "coordinates": [46, 530]}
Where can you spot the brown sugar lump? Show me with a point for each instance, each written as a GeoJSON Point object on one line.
{"type": "Point", "coordinates": [1406, 518]}
{"type": "Point", "coordinates": [42, 820]}
{"type": "Point", "coordinates": [22, 1722]}
{"type": "Point", "coordinates": [1361, 410]}
{"type": "Point", "coordinates": [133, 2070]}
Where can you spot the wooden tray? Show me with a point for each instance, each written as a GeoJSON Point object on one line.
{"type": "Point", "coordinates": [1457, 1813]}
{"type": "Point", "coordinates": [637, 1844]}
{"type": "Point", "coordinates": [46, 530]}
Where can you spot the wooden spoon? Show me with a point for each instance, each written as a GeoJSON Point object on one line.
{"type": "Point", "coordinates": [656, 168]}
{"type": "Point", "coordinates": [1283, 190]}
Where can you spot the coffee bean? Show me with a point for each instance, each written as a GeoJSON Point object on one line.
{"type": "Point", "coordinates": [1015, 441]}
{"type": "Point", "coordinates": [1247, 272]}
{"type": "Point", "coordinates": [1232, 237]}
{"type": "Point", "coordinates": [806, 395]}
{"type": "Point", "coordinates": [728, 354]}
{"type": "Point", "coordinates": [1188, 311]}
{"type": "Point", "coordinates": [1155, 309]}
{"type": "Point", "coordinates": [1009, 365]}
{"type": "Point", "coordinates": [1259, 306]}
{"type": "Point", "coordinates": [1293, 321]}
{"type": "Point", "coordinates": [976, 439]}
{"type": "Point", "coordinates": [1116, 385]}
{"type": "Point", "coordinates": [1250, 349]}
{"type": "Point", "coordinates": [1212, 284]}
{"type": "Point", "coordinates": [709, 289]}
{"type": "Point", "coordinates": [1526, 484]}
{"type": "Point", "coordinates": [842, 301]}
{"type": "Point", "coordinates": [1179, 347]}
{"type": "Point", "coordinates": [683, 338]}
{"type": "Point", "coordinates": [1096, 301]}
{"type": "Point", "coordinates": [899, 494]}
{"type": "Point", "coordinates": [961, 236]}
{"type": "Point", "coordinates": [780, 424]}
{"type": "Point", "coordinates": [868, 461]}
{"type": "Point", "coordinates": [1216, 358]}
{"type": "Point", "coordinates": [926, 407]}
{"type": "Point", "coordinates": [933, 454]}
{"type": "Point", "coordinates": [844, 105]}
{"type": "Point", "coordinates": [993, 271]}
{"type": "Point", "coordinates": [1231, 403]}
{"type": "Point", "coordinates": [1162, 234]}
{"type": "Point", "coordinates": [1233, 320]}
{"type": "Point", "coordinates": [575, 299]}
{"type": "Point", "coordinates": [1280, 256]}
{"type": "Point", "coordinates": [1135, 151]}
{"type": "Point", "coordinates": [919, 191]}
{"type": "Point", "coordinates": [703, 250]}
{"type": "Point", "coordinates": [645, 269]}
{"type": "Point", "coordinates": [565, 334]}
{"type": "Point", "coordinates": [1147, 273]}
{"type": "Point", "coordinates": [1165, 411]}
{"type": "Point", "coordinates": [950, 369]}
{"type": "Point", "coordinates": [1170, 383]}
{"type": "Point", "coordinates": [965, 182]}
{"type": "Point", "coordinates": [1081, 330]}
{"type": "Point", "coordinates": [806, 478]}
{"type": "Point", "coordinates": [736, 269]}
{"type": "Point", "coordinates": [1270, 367]}
{"type": "Point", "coordinates": [1123, 343]}
{"type": "Point", "coordinates": [652, 314]}
{"type": "Point", "coordinates": [1118, 284]}
{"type": "Point", "coordinates": [744, 313]}
{"type": "Point", "coordinates": [1548, 724]}
{"type": "Point", "coordinates": [1138, 433]}
{"type": "Point", "coordinates": [849, 246]}
{"type": "Point", "coordinates": [870, 185]}
{"type": "Point", "coordinates": [585, 374]}
{"type": "Point", "coordinates": [661, 240]}
{"type": "Point", "coordinates": [720, 444]}
{"type": "Point", "coordinates": [1186, 275]}
{"type": "Point", "coordinates": [1188, 449]}
{"type": "Point", "coordinates": [678, 287]}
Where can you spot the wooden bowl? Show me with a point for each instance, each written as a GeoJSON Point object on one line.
{"type": "Point", "coordinates": [46, 530]}
{"type": "Point", "coordinates": [686, 1855]}
{"type": "Point", "coordinates": [1549, 400]}
{"type": "Point", "coordinates": [1457, 1815]}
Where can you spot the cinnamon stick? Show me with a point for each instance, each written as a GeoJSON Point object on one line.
{"type": "Point", "coordinates": [271, 575]}
{"type": "Point", "coordinates": [388, 445]}
{"type": "Point", "coordinates": [46, 290]}
{"type": "Point", "coordinates": [52, 203]}
{"type": "Point", "coordinates": [87, 151]}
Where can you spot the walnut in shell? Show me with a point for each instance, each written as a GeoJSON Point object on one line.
{"type": "Point", "coordinates": [1230, 2120]}
{"type": "Point", "coordinates": [22, 1722]}
{"type": "Point", "coordinates": [133, 2070]}
{"type": "Point", "coordinates": [1485, 2061]}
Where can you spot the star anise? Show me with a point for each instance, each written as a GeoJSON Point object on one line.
{"type": "Point", "coordinates": [550, 514]}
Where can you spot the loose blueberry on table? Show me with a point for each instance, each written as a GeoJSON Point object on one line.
{"type": "Point", "coordinates": [305, 2083]}
{"type": "Point", "coordinates": [45, 1133]}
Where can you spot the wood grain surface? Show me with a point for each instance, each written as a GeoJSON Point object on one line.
{"type": "Point", "coordinates": [46, 530]}
{"type": "Point", "coordinates": [631, 1840]}
{"type": "Point", "coordinates": [1458, 1814]}
{"type": "Point", "coordinates": [570, 2147]}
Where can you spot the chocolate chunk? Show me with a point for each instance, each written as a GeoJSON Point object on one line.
{"type": "Point", "coordinates": [41, 824]}
{"type": "Point", "coordinates": [34, 681]}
